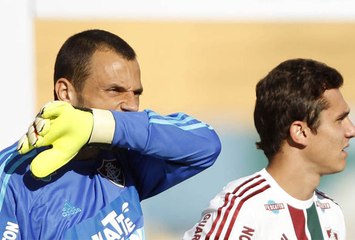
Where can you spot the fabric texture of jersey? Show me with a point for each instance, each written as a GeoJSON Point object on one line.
{"type": "Point", "coordinates": [256, 207]}
{"type": "Point", "coordinates": [99, 198]}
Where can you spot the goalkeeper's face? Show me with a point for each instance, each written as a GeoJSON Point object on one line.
{"type": "Point", "coordinates": [113, 84]}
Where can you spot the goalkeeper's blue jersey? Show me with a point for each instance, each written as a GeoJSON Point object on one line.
{"type": "Point", "coordinates": [99, 198]}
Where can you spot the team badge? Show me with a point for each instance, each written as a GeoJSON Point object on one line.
{"type": "Point", "coordinates": [332, 235]}
{"type": "Point", "coordinates": [112, 170]}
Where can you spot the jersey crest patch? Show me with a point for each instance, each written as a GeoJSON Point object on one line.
{"type": "Point", "coordinates": [332, 234]}
{"type": "Point", "coordinates": [112, 170]}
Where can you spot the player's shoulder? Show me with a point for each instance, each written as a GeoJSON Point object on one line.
{"type": "Point", "coordinates": [252, 180]}
{"type": "Point", "coordinates": [14, 164]}
{"type": "Point", "coordinates": [9, 159]}
{"type": "Point", "coordinates": [248, 192]}
{"type": "Point", "coordinates": [323, 198]}
{"type": "Point", "coordinates": [249, 189]}
{"type": "Point", "coordinates": [14, 168]}
{"type": "Point", "coordinates": [7, 153]}
{"type": "Point", "coordinates": [329, 205]}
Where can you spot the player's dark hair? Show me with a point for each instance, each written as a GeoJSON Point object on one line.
{"type": "Point", "coordinates": [292, 91]}
{"type": "Point", "coordinates": [74, 58]}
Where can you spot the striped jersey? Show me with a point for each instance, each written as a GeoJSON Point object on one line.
{"type": "Point", "coordinates": [99, 198]}
{"type": "Point", "coordinates": [256, 207]}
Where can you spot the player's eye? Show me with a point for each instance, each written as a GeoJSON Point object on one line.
{"type": "Point", "coordinates": [117, 89]}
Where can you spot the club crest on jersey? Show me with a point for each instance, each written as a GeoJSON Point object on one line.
{"type": "Point", "coordinates": [273, 206]}
{"type": "Point", "coordinates": [112, 170]}
{"type": "Point", "coordinates": [332, 235]}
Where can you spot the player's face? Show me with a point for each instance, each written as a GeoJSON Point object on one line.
{"type": "Point", "coordinates": [327, 148]}
{"type": "Point", "coordinates": [114, 83]}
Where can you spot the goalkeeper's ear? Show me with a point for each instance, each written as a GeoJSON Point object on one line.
{"type": "Point", "coordinates": [65, 91]}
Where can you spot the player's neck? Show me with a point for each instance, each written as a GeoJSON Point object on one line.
{"type": "Point", "coordinates": [294, 176]}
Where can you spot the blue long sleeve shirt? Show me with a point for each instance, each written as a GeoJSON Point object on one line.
{"type": "Point", "coordinates": [99, 198]}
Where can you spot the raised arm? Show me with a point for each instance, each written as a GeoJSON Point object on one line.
{"type": "Point", "coordinates": [165, 150]}
{"type": "Point", "coordinates": [66, 129]}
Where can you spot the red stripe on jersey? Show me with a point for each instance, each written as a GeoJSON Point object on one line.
{"type": "Point", "coordinates": [219, 212]}
{"type": "Point", "coordinates": [231, 204]}
{"type": "Point", "coordinates": [229, 230]}
{"type": "Point", "coordinates": [299, 222]}
{"type": "Point", "coordinates": [247, 181]}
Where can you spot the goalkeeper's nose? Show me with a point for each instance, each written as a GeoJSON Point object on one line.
{"type": "Point", "coordinates": [130, 102]}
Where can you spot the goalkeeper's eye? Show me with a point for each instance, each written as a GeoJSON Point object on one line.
{"type": "Point", "coordinates": [138, 92]}
{"type": "Point", "coordinates": [117, 89]}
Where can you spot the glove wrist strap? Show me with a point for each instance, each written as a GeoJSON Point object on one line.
{"type": "Point", "coordinates": [103, 128]}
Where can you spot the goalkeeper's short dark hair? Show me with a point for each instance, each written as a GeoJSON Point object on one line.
{"type": "Point", "coordinates": [74, 57]}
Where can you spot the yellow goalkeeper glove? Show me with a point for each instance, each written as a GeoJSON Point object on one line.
{"type": "Point", "coordinates": [67, 130]}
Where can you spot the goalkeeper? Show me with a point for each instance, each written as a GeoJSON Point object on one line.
{"type": "Point", "coordinates": [81, 172]}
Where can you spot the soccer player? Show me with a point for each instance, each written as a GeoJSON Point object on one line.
{"type": "Point", "coordinates": [304, 128]}
{"type": "Point", "coordinates": [119, 156]}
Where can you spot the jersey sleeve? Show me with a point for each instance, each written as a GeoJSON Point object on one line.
{"type": "Point", "coordinates": [165, 150]}
{"type": "Point", "coordinates": [12, 214]}
{"type": "Point", "coordinates": [9, 225]}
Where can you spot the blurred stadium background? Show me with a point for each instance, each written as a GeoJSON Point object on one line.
{"type": "Point", "coordinates": [202, 57]}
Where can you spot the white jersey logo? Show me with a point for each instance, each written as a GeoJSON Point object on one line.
{"type": "Point", "coordinates": [116, 226]}
{"type": "Point", "coordinates": [11, 231]}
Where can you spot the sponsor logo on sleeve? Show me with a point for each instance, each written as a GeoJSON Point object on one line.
{"type": "Point", "coordinates": [200, 226]}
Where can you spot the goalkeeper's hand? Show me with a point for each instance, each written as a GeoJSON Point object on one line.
{"type": "Point", "coordinates": [67, 130]}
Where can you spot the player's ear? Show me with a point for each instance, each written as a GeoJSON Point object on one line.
{"type": "Point", "coordinates": [298, 132]}
{"type": "Point", "coordinates": [65, 90]}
